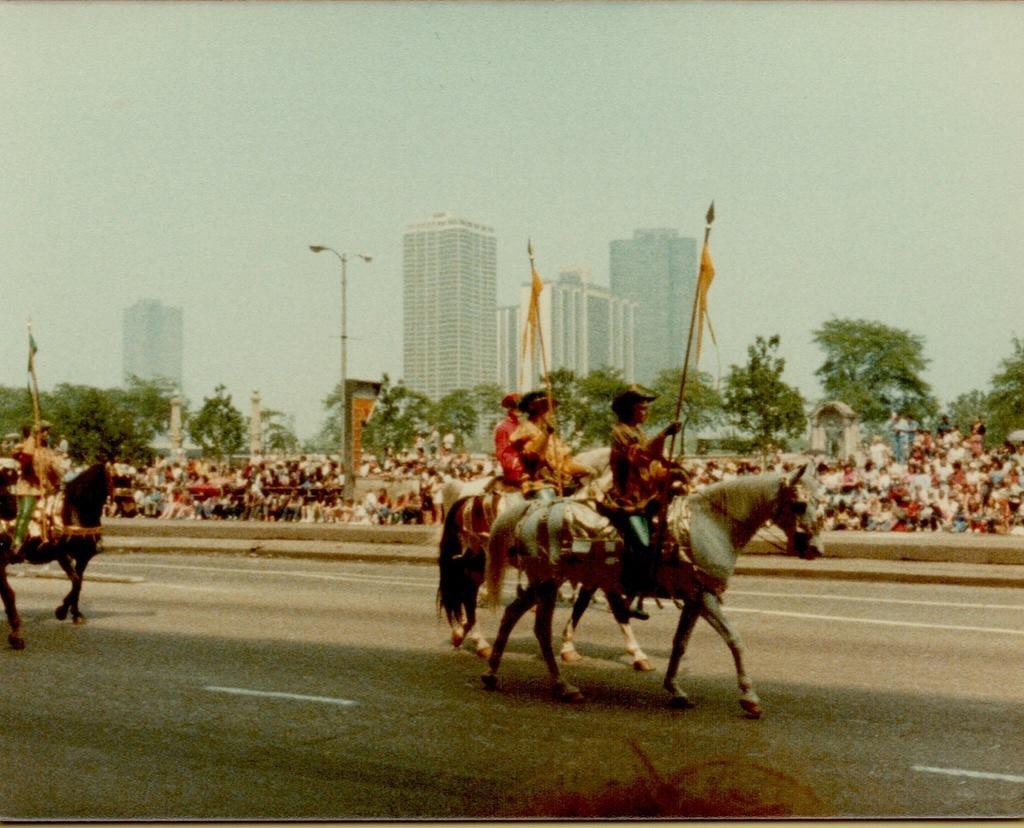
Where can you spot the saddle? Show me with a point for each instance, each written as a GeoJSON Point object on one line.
{"type": "Point", "coordinates": [563, 527]}
{"type": "Point", "coordinates": [478, 513]}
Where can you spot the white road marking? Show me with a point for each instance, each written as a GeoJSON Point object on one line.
{"type": "Point", "coordinates": [241, 691]}
{"type": "Point", "coordinates": [1001, 777]}
{"type": "Point", "coordinates": [289, 573]}
{"type": "Point", "coordinates": [834, 597]}
{"type": "Point", "coordinates": [877, 621]}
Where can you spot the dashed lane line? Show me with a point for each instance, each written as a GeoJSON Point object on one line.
{"type": "Point", "coordinates": [269, 694]}
{"type": "Point", "coordinates": [288, 573]}
{"type": "Point", "coordinates": [1000, 777]}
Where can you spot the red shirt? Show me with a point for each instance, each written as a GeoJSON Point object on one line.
{"type": "Point", "coordinates": [508, 457]}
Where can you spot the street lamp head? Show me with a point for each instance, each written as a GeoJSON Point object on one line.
{"type": "Point", "coordinates": [365, 258]}
{"type": "Point", "coordinates": [316, 248]}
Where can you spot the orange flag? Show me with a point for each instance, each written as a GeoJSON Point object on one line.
{"type": "Point", "coordinates": [704, 279]}
{"type": "Point", "coordinates": [531, 330]}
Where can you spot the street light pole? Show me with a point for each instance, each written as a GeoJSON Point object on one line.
{"type": "Point", "coordinates": [344, 455]}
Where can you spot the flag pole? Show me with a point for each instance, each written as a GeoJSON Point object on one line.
{"type": "Point", "coordinates": [540, 333]}
{"type": "Point", "coordinates": [709, 218]}
{"type": "Point", "coordinates": [544, 364]}
{"type": "Point", "coordinates": [663, 505]}
{"type": "Point", "coordinates": [32, 373]}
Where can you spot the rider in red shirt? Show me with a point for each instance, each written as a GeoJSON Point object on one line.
{"type": "Point", "coordinates": [507, 454]}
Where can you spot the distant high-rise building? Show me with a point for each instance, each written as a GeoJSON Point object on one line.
{"type": "Point", "coordinates": [450, 279]}
{"type": "Point", "coordinates": [153, 342]}
{"type": "Point", "coordinates": [508, 347]}
{"type": "Point", "coordinates": [584, 327]}
{"type": "Point", "coordinates": [657, 269]}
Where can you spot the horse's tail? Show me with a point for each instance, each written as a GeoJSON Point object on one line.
{"type": "Point", "coordinates": [451, 563]}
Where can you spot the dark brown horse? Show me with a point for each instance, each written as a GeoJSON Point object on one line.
{"type": "Point", "coordinates": [72, 546]}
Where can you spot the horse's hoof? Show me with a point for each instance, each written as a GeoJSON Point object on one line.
{"type": "Point", "coordinates": [490, 681]}
{"type": "Point", "coordinates": [61, 613]}
{"type": "Point", "coordinates": [568, 693]}
{"type": "Point", "coordinates": [16, 642]}
{"type": "Point", "coordinates": [457, 640]}
{"type": "Point", "coordinates": [570, 655]}
{"type": "Point", "coordinates": [752, 708]}
{"type": "Point", "coordinates": [484, 653]}
{"type": "Point", "coordinates": [78, 619]}
{"type": "Point", "coordinates": [642, 665]}
{"type": "Point", "coordinates": [681, 702]}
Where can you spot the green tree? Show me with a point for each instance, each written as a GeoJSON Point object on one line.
{"type": "Point", "coordinates": [398, 416]}
{"type": "Point", "coordinates": [596, 392]}
{"type": "Point", "coordinates": [278, 432]}
{"type": "Point", "coordinates": [15, 409]}
{"type": "Point", "coordinates": [702, 406]}
{"type": "Point", "coordinates": [966, 407]}
{"type": "Point", "coordinates": [1006, 401]}
{"type": "Point", "coordinates": [457, 413]}
{"type": "Point", "coordinates": [875, 369]}
{"type": "Point", "coordinates": [149, 402]}
{"type": "Point", "coordinates": [98, 425]}
{"type": "Point", "coordinates": [759, 402]}
{"type": "Point", "coordinates": [218, 427]}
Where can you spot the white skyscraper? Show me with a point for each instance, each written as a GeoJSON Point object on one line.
{"type": "Point", "coordinates": [584, 327]}
{"type": "Point", "coordinates": [450, 293]}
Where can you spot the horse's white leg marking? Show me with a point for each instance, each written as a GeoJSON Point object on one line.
{"type": "Point", "coordinates": [640, 660]}
{"type": "Point", "coordinates": [568, 651]}
{"type": "Point", "coordinates": [483, 649]}
{"type": "Point", "coordinates": [712, 611]}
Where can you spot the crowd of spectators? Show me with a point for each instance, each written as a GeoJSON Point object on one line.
{"type": "Point", "coordinates": [403, 488]}
{"type": "Point", "coordinates": [924, 481]}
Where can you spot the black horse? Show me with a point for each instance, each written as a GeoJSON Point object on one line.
{"type": "Point", "coordinates": [72, 547]}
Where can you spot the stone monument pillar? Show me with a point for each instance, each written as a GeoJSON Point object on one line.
{"type": "Point", "coordinates": [175, 434]}
{"type": "Point", "coordinates": [835, 431]}
{"type": "Point", "coordinates": [255, 426]}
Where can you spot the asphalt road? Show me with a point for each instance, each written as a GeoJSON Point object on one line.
{"type": "Point", "coordinates": [242, 688]}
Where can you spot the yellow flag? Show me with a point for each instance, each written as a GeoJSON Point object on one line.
{"type": "Point", "coordinates": [531, 330]}
{"type": "Point", "coordinates": [707, 274]}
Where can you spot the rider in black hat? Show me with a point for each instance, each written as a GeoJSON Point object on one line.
{"type": "Point", "coordinates": [640, 478]}
{"type": "Point", "coordinates": [548, 466]}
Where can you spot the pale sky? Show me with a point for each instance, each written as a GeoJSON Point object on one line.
{"type": "Point", "coordinates": [866, 160]}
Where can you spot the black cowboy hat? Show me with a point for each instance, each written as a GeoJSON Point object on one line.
{"type": "Point", "coordinates": [626, 398]}
{"type": "Point", "coordinates": [535, 402]}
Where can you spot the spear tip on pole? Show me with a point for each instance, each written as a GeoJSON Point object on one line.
{"type": "Point", "coordinates": [711, 213]}
{"type": "Point", "coordinates": [529, 247]}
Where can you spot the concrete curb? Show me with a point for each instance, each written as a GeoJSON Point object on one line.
{"type": "Point", "coordinates": [880, 557]}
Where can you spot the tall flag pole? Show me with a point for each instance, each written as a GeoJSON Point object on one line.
{"type": "Point", "coordinates": [697, 317]}
{"type": "Point", "coordinates": [533, 337]}
{"type": "Point", "coordinates": [34, 388]}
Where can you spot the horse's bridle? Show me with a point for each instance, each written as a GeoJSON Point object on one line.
{"type": "Point", "coordinates": [770, 541]}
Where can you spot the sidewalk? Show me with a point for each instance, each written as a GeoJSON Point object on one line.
{"type": "Point", "coordinates": [926, 558]}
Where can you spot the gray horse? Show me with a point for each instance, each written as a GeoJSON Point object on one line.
{"type": "Point", "coordinates": [706, 531]}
